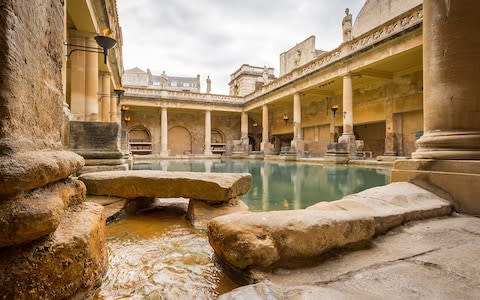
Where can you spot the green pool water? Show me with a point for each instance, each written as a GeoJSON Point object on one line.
{"type": "Point", "coordinates": [284, 185]}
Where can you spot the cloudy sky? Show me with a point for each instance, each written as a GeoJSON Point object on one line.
{"type": "Point", "coordinates": [215, 37]}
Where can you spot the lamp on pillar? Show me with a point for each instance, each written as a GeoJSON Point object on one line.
{"type": "Point", "coordinates": [105, 42]}
{"type": "Point", "coordinates": [285, 118]}
{"type": "Point", "coordinates": [334, 109]}
{"type": "Point", "coordinates": [119, 91]}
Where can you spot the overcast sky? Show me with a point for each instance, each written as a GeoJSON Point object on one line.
{"type": "Point", "coordinates": [215, 37]}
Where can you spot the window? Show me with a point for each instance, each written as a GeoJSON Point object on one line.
{"type": "Point", "coordinates": [173, 83]}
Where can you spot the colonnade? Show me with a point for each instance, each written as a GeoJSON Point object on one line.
{"type": "Point", "coordinates": [90, 90]}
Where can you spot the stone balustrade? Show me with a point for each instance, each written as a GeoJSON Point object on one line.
{"type": "Point", "coordinates": [148, 92]}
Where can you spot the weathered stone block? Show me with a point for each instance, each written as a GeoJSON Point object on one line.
{"type": "Point", "coordinates": [28, 170]}
{"type": "Point", "coordinates": [32, 216]}
{"type": "Point", "coordinates": [211, 187]}
{"type": "Point", "coordinates": [284, 238]}
{"type": "Point", "coordinates": [97, 136]}
{"type": "Point", "coordinates": [66, 264]}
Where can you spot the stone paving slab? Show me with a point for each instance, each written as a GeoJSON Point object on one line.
{"type": "Point", "coordinates": [210, 187]}
{"type": "Point", "coordinates": [429, 259]}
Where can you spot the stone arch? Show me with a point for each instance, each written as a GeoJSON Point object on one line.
{"type": "Point", "coordinates": [179, 141]}
{"type": "Point", "coordinates": [139, 140]}
{"type": "Point", "coordinates": [217, 136]}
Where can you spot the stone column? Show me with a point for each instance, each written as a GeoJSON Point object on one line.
{"type": "Point", "coordinates": [105, 97]}
{"type": "Point", "coordinates": [451, 60]}
{"type": "Point", "coordinates": [208, 133]}
{"type": "Point", "coordinates": [297, 142]}
{"type": "Point", "coordinates": [264, 146]}
{"type": "Point", "coordinates": [448, 154]}
{"type": "Point", "coordinates": [164, 133]}
{"type": "Point", "coordinates": [244, 127]}
{"type": "Point", "coordinates": [348, 137]}
{"type": "Point", "coordinates": [91, 82]}
{"type": "Point", "coordinates": [113, 109]}
{"type": "Point", "coordinates": [390, 144]}
{"type": "Point", "coordinates": [77, 78]}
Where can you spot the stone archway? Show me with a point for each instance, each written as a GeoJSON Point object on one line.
{"type": "Point", "coordinates": [139, 140]}
{"type": "Point", "coordinates": [179, 141]}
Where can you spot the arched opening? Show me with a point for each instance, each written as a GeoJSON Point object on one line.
{"type": "Point", "coordinates": [140, 140]}
{"type": "Point", "coordinates": [179, 141]}
{"type": "Point", "coordinates": [217, 141]}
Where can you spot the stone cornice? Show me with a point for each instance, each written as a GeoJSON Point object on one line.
{"type": "Point", "coordinates": [401, 23]}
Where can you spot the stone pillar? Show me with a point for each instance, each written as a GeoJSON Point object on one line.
{"type": "Point", "coordinates": [348, 137]}
{"type": "Point", "coordinates": [297, 142]}
{"type": "Point", "coordinates": [451, 59]}
{"type": "Point", "coordinates": [114, 109]}
{"type": "Point", "coordinates": [390, 143]}
{"type": "Point", "coordinates": [448, 154]}
{"type": "Point", "coordinates": [164, 133]}
{"type": "Point", "coordinates": [77, 79]}
{"type": "Point", "coordinates": [105, 97]}
{"type": "Point", "coordinates": [244, 127]}
{"type": "Point", "coordinates": [264, 146]}
{"type": "Point", "coordinates": [91, 82]}
{"type": "Point", "coordinates": [208, 133]}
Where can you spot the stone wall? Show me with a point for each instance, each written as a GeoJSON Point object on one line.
{"type": "Point", "coordinates": [298, 55]}
{"type": "Point", "coordinates": [186, 129]}
{"type": "Point", "coordinates": [51, 244]}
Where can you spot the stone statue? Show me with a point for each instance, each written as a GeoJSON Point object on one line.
{"type": "Point", "coordinates": [209, 84]}
{"type": "Point", "coordinates": [164, 79]}
{"type": "Point", "coordinates": [347, 26]}
{"type": "Point", "coordinates": [265, 75]}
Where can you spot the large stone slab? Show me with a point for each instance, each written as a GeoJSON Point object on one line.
{"type": "Point", "coordinates": [67, 264]}
{"type": "Point", "coordinates": [28, 170]}
{"type": "Point", "coordinates": [34, 215]}
{"type": "Point", "coordinates": [391, 205]}
{"type": "Point", "coordinates": [262, 240]}
{"type": "Point", "coordinates": [211, 187]}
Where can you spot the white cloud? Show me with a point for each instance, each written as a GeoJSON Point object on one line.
{"type": "Point", "coordinates": [215, 37]}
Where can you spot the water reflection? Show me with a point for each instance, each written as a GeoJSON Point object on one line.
{"type": "Point", "coordinates": [285, 185]}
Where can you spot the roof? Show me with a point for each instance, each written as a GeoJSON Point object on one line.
{"type": "Point", "coordinates": [135, 70]}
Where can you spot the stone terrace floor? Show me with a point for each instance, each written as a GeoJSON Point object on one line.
{"type": "Point", "coordinates": [429, 259]}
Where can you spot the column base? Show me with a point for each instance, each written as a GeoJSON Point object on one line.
{"type": "Point", "coordinates": [163, 153]}
{"type": "Point", "coordinates": [349, 139]}
{"type": "Point", "coordinates": [266, 148]}
{"type": "Point", "coordinates": [460, 178]}
{"type": "Point", "coordinates": [449, 145]}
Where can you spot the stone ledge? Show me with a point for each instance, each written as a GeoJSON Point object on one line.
{"type": "Point", "coordinates": [32, 216]}
{"type": "Point", "coordinates": [209, 187]}
{"type": "Point", "coordinates": [282, 238]}
{"type": "Point", "coordinates": [391, 205]}
{"type": "Point", "coordinates": [66, 264]}
{"type": "Point", "coordinates": [200, 213]}
{"type": "Point", "coordinates": [28, 170]}
{"type": "Point", "coordinates": [263, 240]}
